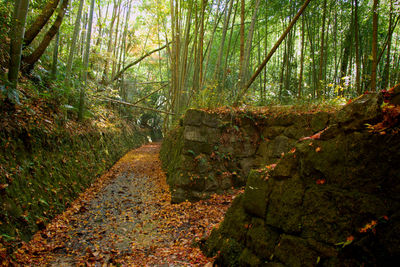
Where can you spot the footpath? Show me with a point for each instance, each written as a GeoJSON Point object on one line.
{"type": "Point", "coordinates": [126, 218]}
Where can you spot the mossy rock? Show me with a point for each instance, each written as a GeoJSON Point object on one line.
{"type": "Point", "coordinates": [235, 226]}
{"type": "Point", "coordinates": [330, 214]}
{"type": "Point", "coordinates": [193, 117]}
{"type": "Point", "coordinates": [212, 120]}
{"type": "Point", "coordinates": [270, 132]}
{"type": "Point", "coordinates": [261, 239]}
{"type": "Point", "coordinates": [319, 121]}
{"type": "Point", "coordinates": [230, 251]}
{"type": "Point", "coordinates": [285, 205]}
{"type": "Point", "coordinates": [256, 193]}
{"type": "Point", "coordinates": [295, 252]}
{"type": "Point", "coordinates": [362, 110]}
{"type": "Point", "coordinates": [248, 259]}
{"type": "Point", "coordinates": [296, 132]}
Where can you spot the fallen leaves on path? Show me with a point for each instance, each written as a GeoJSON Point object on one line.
{"type": "Point", "coordinates": [126, 218]}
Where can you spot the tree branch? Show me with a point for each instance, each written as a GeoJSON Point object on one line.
{"type": "Point", "coordinates": [135, 106]}
{"type": "Point", "coordinates": [136, 62]}
{"type": "Point", "coordinates": [277, 44]}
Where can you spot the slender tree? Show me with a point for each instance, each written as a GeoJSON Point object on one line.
{"type": "Point", "coordinates": [374, 44]}
{"type": "Point", "coordinates": [74, 41]}
{"type": "Point", "coordinates": [300, 87]}
{"type": "Point", "coordinates": [357, 47]}
{"type": "Point", "coordinates": [17, 36]}
{"type": "Point", "coordinates": [385, 78]}
{"type": "Point", "coordinates": [86, 62]}
{"type": "Point", "coordinates": [53, 73]}
{"type": "Point", "coordinates": [321, 48]}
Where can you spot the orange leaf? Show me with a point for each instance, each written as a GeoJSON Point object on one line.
{"type": "Point", "coordinates": [321, 181]}
{"type": "Point", "coordinates": [318, 149]}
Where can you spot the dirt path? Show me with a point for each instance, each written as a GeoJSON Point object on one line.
{"type": "Point", "coordinates": [126, 218]}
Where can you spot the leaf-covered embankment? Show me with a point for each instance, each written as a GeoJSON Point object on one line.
{"type": "Point", "coordinates": [47, 160]}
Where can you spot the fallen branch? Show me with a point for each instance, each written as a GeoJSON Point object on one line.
{"type": "Point", "coordinates": [270, 54]}
{"type": "Point", "coordinates": [135, 106]}
{"type": "Point", "coordinates": [143, 98]}
{"type": "Point", "coordinates": [136, 62]}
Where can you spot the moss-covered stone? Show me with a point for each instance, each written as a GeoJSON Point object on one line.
{"type": "Point", "coordinates": [344, 213]}
{"type": "Point", "coordinates": [285, 205]}
{"type": "Point", "coordinates": [248, 259]}
{"type": "Point", "coordinates": [225, 147]}
{"type": "Point", "coordinates": [319, 121]}
{"type": "Point", "coordinates": [256, 193]}
{"type": "Point", "coordinates": [261, 239]}
{"type": "Point", "coordinates": [332, 201]}
{"type": "Point", "coordinates": [193, 117]}
{"type": "Point", "coordinates": [295, 251]}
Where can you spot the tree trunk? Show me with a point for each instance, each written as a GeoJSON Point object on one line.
{"type": "Point", "coordinates": [248, 46]}
{"type": "Point", "coordinates": [109, 47]}
{"type": "Point", "coordinates": [40, 21]}
{"type": "Point", "coordinates": [345, 62]}
{"type": "Point", "coordinates": [225, 67]}
{"type": "Point", "coordinates": [374, 44]}
{"type": "Point", "coordinates": [86, 63]}
{"type": "Point", "coordinates": [217, 70]}
{"type": "Point", "coordinates": [241, 58]}
{"type": "Point", "coordinates": [115, 46]}
{"type": "Point", "coordinates": [210, 42]}
{"type": "Point", "coordinates": [73, 42]}
{"type": "Point", "coordinates": [385, 78]}
{"type": "Point", "coordinates": [17, 36]}
{"type": "Point", "coordinates": [321, 55]}
{"type": "Point", "coordinates": [38, 52]}
{"type": "Point", "coordinates": [55, 57]}
{"type": "Point", "coordinates": [299, 92]}
{"type": "Point", "coordinates": [201, 41]}
{"type": "Point", "coordinates": [357, 47]}
{"type": "Point", "coordinates": [136, 62]}
{"type": "Point", "coordinates": [312, 51]}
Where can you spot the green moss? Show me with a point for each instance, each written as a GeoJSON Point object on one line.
{"type": "Point", "coordinates": [255, 195]}
{"type": "Point", "coordinates": [47, 171]}
{"type": "Point", "coordinates": [249, 259]}
{"type": "Point", "coordinates": [230, 253]}
{"type": "Point", "coordinates": [171, 151]}
{"type": "Point", "coordinates": [261, 239]}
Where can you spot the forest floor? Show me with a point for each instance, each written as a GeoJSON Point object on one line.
{"type": "Point", "coordinates": [126, 218]}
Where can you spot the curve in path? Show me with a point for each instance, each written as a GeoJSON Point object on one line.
{"type": "Point", "coordinates": [126, 218]}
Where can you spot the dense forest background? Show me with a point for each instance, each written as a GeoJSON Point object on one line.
{"type": "Point", "coordinates": [166, 56]}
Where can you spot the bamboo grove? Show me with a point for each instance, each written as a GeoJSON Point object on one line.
{"type": "Point", "coordinates": [171, 55]}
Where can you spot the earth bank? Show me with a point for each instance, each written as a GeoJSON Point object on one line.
{"type": "Point", "coordinates": [47, 161]}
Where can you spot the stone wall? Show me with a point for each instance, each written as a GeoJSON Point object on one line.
{"type": "Point", "coordinates": [333, 200]}
{"type": "Point", "coordinates": [213, 151]}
